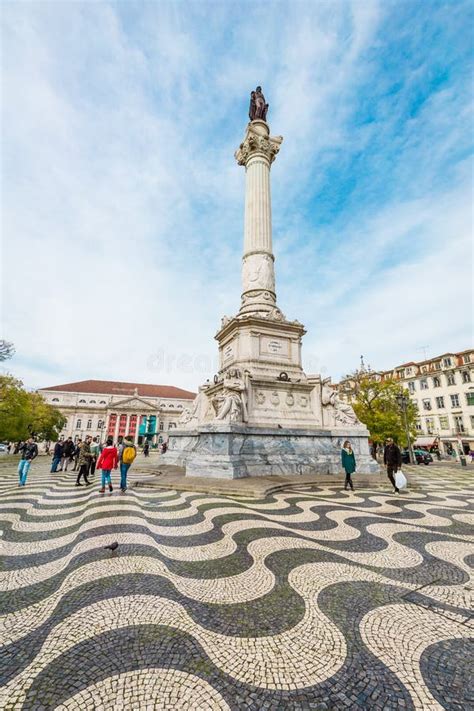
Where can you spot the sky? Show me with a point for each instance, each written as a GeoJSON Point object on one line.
{"type": "Point", "coordinates": [122, 205]}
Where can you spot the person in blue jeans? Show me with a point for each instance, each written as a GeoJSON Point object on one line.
{"type": "Point", "coordinates": [57, 456]}
{"type": "Point", "coordinates": [28, 452]}
{"type": "Point", "coordinates": [127, 454]}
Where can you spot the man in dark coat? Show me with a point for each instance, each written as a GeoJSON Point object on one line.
{"type": "Point", "coordinates": [392, 458]}
{"type": "Point", "coordinates": [68, 452]}
{"type": "Point", "coordinates": [57, 456]}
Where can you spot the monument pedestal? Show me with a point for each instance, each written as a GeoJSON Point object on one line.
{"type": "Point", "coordinates": [233, 451]}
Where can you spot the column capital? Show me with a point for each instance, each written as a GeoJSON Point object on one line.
{"type": "Point", "coordinates": [258, 142]}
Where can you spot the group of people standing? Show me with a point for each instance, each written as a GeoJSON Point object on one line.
{"type": "Point", "coordinates": [107, 458]}
{"type": "Point", "coordinates": [87, 456]}
{"type": "Point", "coordinates": [392, 458]}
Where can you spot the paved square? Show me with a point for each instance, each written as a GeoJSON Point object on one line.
{"type": "Point", "coordinates": [313, 598]}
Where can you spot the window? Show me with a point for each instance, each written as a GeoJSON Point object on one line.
{"type": "Point", "coordinates": [444, 423]}
{"type": "Point", "coordinates": [55, 399]}
{"type": "Point", "coordinates": [424, 384]}
{"type": "Point", "coordinates": [450, 378]}
{"type": "Point", "coordinates": [466, 376]}
{"type": "Point", "coordinates": [454, 400]}
{"type": "Point", "coordinates": [411, 386]}
{"type": "Point", "coordinates": [401, 373]}
{"type": "Point", "coordinates": [171, 425]}
{"type": "Point", "coordinates": [466, 358]}
{"type": "Point", "coordinates": [427, 404]}
{"type": "Point", "coordinates": [78, 425]}
{"type": "Point", "coordinates": [437, 365]}
{"type": "Point", "coordinates": [472, 422]}
{"type": "Point", "coordinates": [162, 426]}
{"type": "Point", "coordinates": [100, 425]}
{"type": "Point", "coordinates": [92, 402]}
{"type": "Point", "coordinates": [81, 401]}
{"type": "Point", "coordinates": [409, 370]}
{"type": "Point", "coordinates": [447, 362]}
{"type": "Point", "coordinates": [418, 427]}
{"type": "Point", "coordinates": [436, 382]}
{"type": "Point", "coordinates": [102, 402]}
{"type": "Point", "coordinates": [89, 424]}
{"type": "Point", "coordinates": [440, 402]}
{"type": "Point", "coordinates": [470, 398]}
{"type": "Point", "coordinates": [429, 425]}
{"type": "Point", "coordinates": [459, 424]}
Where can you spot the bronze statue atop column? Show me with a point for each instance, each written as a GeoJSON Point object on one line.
{"type": "Point", "coordinates": [258, 108]}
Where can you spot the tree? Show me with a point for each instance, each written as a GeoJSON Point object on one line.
{"type": "Point", "coordinates": [7, 349]}
{"type": "Point", "coordinates": [375, 404]}
{"type": "Point", "coordinates": [24, 414]}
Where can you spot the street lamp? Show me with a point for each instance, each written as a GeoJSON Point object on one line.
{"type": "Point", "coordinates": [403, 401]}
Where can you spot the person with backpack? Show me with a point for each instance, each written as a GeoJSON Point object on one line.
{"type": "Point", "coordinates": [128, 452]}
{"type": "Point", "coordinates": [107, 461]}
{"type": "Point", "coordinates": [348, 463]}
{"type": "Point", "coordinates": [28, 452]}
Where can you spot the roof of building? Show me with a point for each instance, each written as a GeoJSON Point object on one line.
{"type": "Point", "coordinates": [113, 387]}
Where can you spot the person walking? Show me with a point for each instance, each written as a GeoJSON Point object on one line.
{"type": "Point", "coordinates": [68, 453]}
{"type": "Point", "coordinates": [146, 449]}
{"type": "Point", "coordinates": [128, 452]}
{"type": "Point", "coordinates": [28, 452]}
{"type": "Point", "coordinates": [95, 451]}
{"type": "Point", "coordinates": [107, 461]}
{"type": "Point", "coordinates": [83, 462]}
{"type": "Point", "coordinates": [57, 456]}
{"type": "Point", "coordinates": [348, 463]}
{"type": "Point", "coordinates": [77, 451]}
{"type": "Point", "coordinates": [392, 458]}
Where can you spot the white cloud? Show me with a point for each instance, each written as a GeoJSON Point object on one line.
{"type": "Point", "coordinates": [122, 207]}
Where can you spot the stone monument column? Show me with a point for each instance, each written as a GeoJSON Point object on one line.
{"type": "Point", "coordinates": [257, 152]}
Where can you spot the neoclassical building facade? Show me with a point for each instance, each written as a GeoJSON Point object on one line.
{"type": "Point", "coordinates": [108, 408]}
{"type": "Point", "coordinates": [443, 390]}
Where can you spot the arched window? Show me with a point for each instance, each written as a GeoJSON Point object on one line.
{"type": "Point", "coordinates": [89, 424]}
{"type": "Point", "coordinates": [100, 425]}
{"type": "Point", "coordinates": [81, 401]}
{"type": "Point", "coordinates": [92, 402]}
{"type": "Point", "coordinates": [102, 402]}
{"type": "Point", "coordinates": [55, 399]}
{"type": "Point", "coordinates": [78, 425]}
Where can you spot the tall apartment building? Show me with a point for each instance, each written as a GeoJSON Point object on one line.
{"type": "Point", "coordinates": [443, 389]}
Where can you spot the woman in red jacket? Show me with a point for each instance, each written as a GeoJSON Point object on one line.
{"type": "Point", "coordinates": [107, 461]}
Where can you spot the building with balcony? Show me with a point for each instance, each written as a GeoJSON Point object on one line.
{"type": "Point", "coordinates": [443, 389]}
{"type": "Point", "coordinates": [107, 408]}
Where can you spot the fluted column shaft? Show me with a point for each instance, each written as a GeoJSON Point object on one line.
{"type": "Point", "coordinates": [256, 153]}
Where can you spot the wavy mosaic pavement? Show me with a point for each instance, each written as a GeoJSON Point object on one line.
{"type": "Point", "coordinates": [310, 598]}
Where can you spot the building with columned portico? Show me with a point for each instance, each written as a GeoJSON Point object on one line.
{"type": "Point", "coordinates": [105, 408]}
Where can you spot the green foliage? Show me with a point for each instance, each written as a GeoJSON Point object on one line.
{"type": "Point", "coordinates": [377, 407]}
{"type": "Point", "coordinates": [24, 414]}
{"type": "Point", "coordinates": [7, 349]}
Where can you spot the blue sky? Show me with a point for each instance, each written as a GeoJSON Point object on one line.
{"type": "Point", "coordinates": [122, 205]}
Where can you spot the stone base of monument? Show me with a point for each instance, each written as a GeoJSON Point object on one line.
{"type": "Point", "coordinates": [234, 451]}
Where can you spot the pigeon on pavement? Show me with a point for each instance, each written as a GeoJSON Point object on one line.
{"type": "Point", "coordinates": [113, 546]}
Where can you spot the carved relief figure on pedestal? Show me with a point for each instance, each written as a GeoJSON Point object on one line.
{"type": "Point", "coordinates": [342, 412]}
{"type": "Point", "coordinates": [231, 405]}
{"type": "Point", "coordinates": [257, 272]}
{"type": "Point", "coordinates": [199, 411]}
